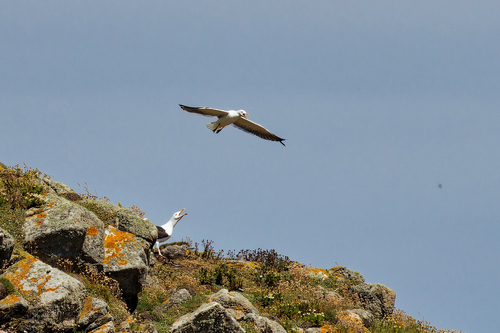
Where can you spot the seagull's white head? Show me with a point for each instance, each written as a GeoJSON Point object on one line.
{"type": "Point", "coordinates": [178, 215]}
{"type": "Point", "coordinates": [242, 113]}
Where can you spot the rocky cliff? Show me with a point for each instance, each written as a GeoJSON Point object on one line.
{"type": "Point", "coordinates": [74, 262]}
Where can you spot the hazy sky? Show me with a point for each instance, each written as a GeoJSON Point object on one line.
{"type": "Point", "coordinates": [380, 102]}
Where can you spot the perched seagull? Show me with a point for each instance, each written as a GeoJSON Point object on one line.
{"type": "Point", "coordinates": [235, 118]}
{"type": "Point", "coordinates": [165, 231]}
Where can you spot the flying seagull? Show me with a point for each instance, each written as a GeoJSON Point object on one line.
{"type": "Point", "coordinates": [236, 118]}
{"type": "Point", "coordinates": [165, 231]}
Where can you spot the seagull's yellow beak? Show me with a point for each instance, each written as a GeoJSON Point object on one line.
{"type": "Point", "coordinates": [245, 115]}
{"type": "Point", "coordinates": [181, 212]}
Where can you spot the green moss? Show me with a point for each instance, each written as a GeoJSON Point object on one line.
{"type": "Point", "coordinates": [9, 287]}
{"type": "Point", "coordinates": [105, 211]}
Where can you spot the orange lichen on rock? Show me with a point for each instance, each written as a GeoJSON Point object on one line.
{"type": "Point", "coordinates": [20, 273]}
{"type": "Point", "coordinates": [87, 308]}
{"type": "Point", "coordinates": [114, 242]}
{"type": "Point", "coordinates": [318, 270]}
{"type": "Point", "coordinates": [9, 300]}
{"type": "Point", "coordinates": [41, 215]}
{"type": "Point", "coordinates": [92, 231]}
{"type": "Point", "coordinates": [329, 329]}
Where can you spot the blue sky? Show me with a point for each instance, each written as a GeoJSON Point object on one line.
{"type": "Point", "coordinates": [380, 102]}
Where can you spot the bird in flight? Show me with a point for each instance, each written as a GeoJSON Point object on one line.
{"type": "Point", "coordinates": [236, 118]}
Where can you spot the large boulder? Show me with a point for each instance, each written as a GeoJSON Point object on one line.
{"type": "Point", "coordinates": [95, 313]}
{"type": "Point", "coordinates": [344, 273]}
{"type": "Point", "coordinates": [240, 308]}
{"type": "Point", "coordinates": [237, 305]}
{"type": "Point", "coordinates": [375, 298]}
{"type": "Point", "coordinates": [125, 220]}
{"type": "Point", "coordinates": [6, 247]}
{"type": "Point", "coordinates": [209, 317]}
{"type": "Point", "coordinates": [64, 230]}
{"type": "Point", "coordinates": [126, 261]}
{"type": "Point", "coordinates": [54, 298]}
{"type": "Point", "coordinates": [12, 307]}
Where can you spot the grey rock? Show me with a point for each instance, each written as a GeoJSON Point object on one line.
{"type": "Point", "coordinates": [126, 220]}
{"type": "Point", "coordinates": [125, 261]}
{"type": "Point", "coordinates": [209, 317]}
{"type": "Point", "coordinates": [3, 292]}
{"type": "Point", "coordinates": [109, 327]}
{"type": "Point", "coordinates": [173, 252]}
{"type": "Point", "coordinates": [375, 298]}
{"type": "Point", "coordinates": [180, 296]}
{"type": "Point", "coordinates": [234, 302]}
{"type": "Point", "coordinates": [265, 324]}
{"type": "Point", "coordinates": [12, 306]}
{"type": "Point", "coordinates": [55, 297]}
{"type": "Point", "coordinates": [65, 230]}
{"type": "Point", "coordinates": [365, 316]}
{"type": "Point", "coordinates": [95, 313]}
{"type": "Point", "coordinates": [56, 187]}
{"type": "Point", "coordinates": [6, 247]}
{"type": "Point", "coordinates": [131, 222]}
{"type": "Point", "coordinates": [345, 273]}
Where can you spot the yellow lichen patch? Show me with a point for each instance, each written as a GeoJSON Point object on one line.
{"type": "Point", "coordinates": [104, 328]}
{"type": "Point", "coordinates": [329, 329]}
{"type": "Point", "coordinates": [114, 242]}
{"type": "Point", "coordinates": [352, 322]}
{"type": "Point", "coordinates": [9, 300]}
{"type": "Point", "coordinates": [87, 308]}
{"type": "Point", "coordinates": [19, 273]}
{"type": "Point", "coordinates": [92, 231]}
{"type": "Point", "coordinates": [318, 270]}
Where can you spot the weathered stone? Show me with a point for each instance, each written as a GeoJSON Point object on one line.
{"type": "Point", "coordinates": [352, 321]}
{"type": "Point", "coordinates": [6, 247]}
{"type": "Point", "coordinates": [209, 317]}
{"type": "Point", "coordinates": [95, 313]}
{"type": "Point", "coordinates": [55, 298]}
{"type": "Point", "coordinates": [173, 252]}
{"type": "Point", "coordinates": [265, 324]}
{"type": "Point", "coordinates": [141, 227]}
{"type": "Point", "coordinates": [345, 273]}
{"type": "Point", "coordinates": [180, 296]}
{"type": "Point", "coordinates": [109, 327]}
{"type": "Point", "coordinates": [65, 230]}
{"type": "Point", "coordinates": [3, 292]}
{"type": "Point", "coordinates": [125, 261]}
{"type": "Point", "coordinates": [375, 298]}
{"type": "Point", "coordinates": [365, 316]}
{"type": "Point", "coordinates": [57, 187]}
{"type": "Point", "coordinates": [12, 307]}
{"type": "Point", "coordinates": [237, 305]}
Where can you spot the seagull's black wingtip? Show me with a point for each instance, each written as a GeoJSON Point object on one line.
{"type": "Point", "coordinates": [282, 143]}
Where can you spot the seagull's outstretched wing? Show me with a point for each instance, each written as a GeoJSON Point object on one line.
{"type": "Point", "coordinates": [208, 112]}
{"type": "Point", "coordinates": [256, 129]}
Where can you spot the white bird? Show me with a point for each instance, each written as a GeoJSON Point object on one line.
{"type": "Point", "coordinates": [165, 231]}
{"type": "Point", "coordinates": [236, 118]}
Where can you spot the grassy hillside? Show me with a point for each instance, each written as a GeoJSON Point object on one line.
{"type": "Point", "coordinates": [287, 291]}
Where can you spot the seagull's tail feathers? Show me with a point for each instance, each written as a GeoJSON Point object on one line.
{"type": "Point", "coordinates": [215, 127]}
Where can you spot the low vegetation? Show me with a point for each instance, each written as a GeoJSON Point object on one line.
{"type": "Point", "coordinates": [280, 288]}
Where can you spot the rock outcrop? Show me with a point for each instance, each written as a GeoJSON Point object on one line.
{"type": "Point", "coordinates": [64, 230]}
{"type": "Point", "coordinates": [52, 300]}
{"type": "Point", "coordinates": [126, 261]}
{"type": "Point", "coordinates": [375, 298]}
{"type": "Point", "coordinates": [210, 317]}
{"type": "Point", "coordinates": [6, 247]}
{"type": "Point", "coordinates": [117, 243]}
